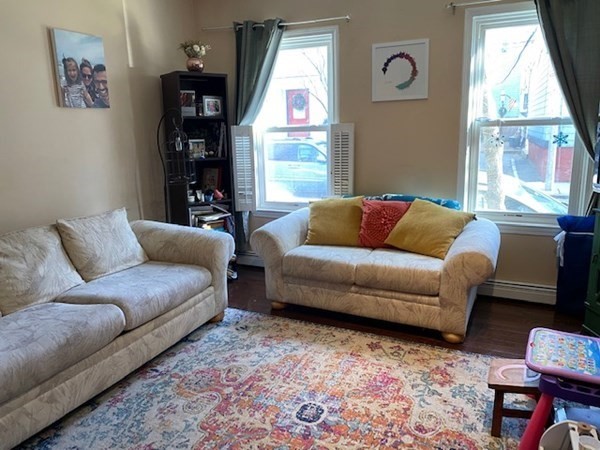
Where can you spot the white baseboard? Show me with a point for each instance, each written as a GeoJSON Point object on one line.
{"type": "Point", "coordinates": [536, 293]}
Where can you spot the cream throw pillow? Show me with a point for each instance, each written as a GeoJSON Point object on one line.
{"type": "Point", "coordinates": [34, 268]}
{"type": "Point", "coordinates": [335, 221]}
{"type": "Point", "coordinates": [101, 244]}
{"type": "Point", "coordinates": [428, 229]}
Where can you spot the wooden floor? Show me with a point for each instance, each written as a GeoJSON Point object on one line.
{"type": "Point", "coordinates": [497, 327]}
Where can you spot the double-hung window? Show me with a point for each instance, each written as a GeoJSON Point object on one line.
{"type": "Point", "coordinates": [295, 149]}
{"type": "Point", "coordinates": [523, 163]}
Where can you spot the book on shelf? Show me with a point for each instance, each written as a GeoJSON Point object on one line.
{"type": "Point", "coordinates": [207, 214]}
{"type": "Point", "coordinates": [212, 225]}
{"type": "Point", "coordinates": [209, 208]}
{"type": "Point", "coordinates": [211, 217]}
{"type": "Point", "coordinates": [221, 147]}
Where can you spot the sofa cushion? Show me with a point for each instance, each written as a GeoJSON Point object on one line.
{"type": "Point", "coordinates": [34, 268]}
{"type": "Point", "coordinates": [334, 221]}
{"type": "Point", "coordinates": [334, 264]}
{"type": "Point", "coordinates": [101, 244]}
{"type": "Point", "coordinates": [378, 219]}
{"type": "Point", "coordinates": [428, 229]}
{"type": "Point", "coordinates": [38, 342]}
{"type": "Point", "coordinates": [445, 202]}
{"type": "Point", "coordinates": [399, 271]}
{"type": "Point", "coordinates": [145, 291]}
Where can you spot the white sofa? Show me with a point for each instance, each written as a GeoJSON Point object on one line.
{"type": "Point", "coordinates": [382, 283]}
{"type": "Point", "coordinates": [63, 340]}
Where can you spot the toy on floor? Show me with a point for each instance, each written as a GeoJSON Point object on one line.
{"type": "Point", "coordinates": [570, 368]}
{"type": "Point", "coordinates": [570, 435]}
{"type": "Point", "coordinates": [564, 355]}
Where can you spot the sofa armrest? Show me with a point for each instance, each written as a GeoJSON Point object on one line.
{"type": "Point", "coordinates": [273, 240]}
{"type": "Point", "coordinates": [188, 245]}
{"type": "Point", "coordinates": [470, 261]}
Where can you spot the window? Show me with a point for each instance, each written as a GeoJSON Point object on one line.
{"type": "Point", "coordinates": [293, 145]}
{"type": "Point", "coordinates": [523, 163]}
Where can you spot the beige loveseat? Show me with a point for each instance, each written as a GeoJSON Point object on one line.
{"type": "Point", "coordinates": [63, 340]}
{"type": "Point", "coordinates": [382, 283]}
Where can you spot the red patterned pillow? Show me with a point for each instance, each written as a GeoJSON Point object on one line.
{"type": "Point", "coordinates": [378, 219]}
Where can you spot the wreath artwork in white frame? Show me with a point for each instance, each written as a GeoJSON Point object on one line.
{"type": "Point", "coordinates": [400, 70]}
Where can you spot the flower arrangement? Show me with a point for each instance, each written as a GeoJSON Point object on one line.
{"type": "Point", "coordinates": [194, 49]}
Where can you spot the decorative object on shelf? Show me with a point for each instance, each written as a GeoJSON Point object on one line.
{"type": "Point", "coordinates": [198, 148]}
{"type": "Point", "coordinates": [212, 106]}
{"type": "Point", "coordinates": [174, 153]}
{"type": "Point", "coordinates": [194, 65]}
{"type": "Point", "coordinates": [400, 70]}
{"type": "Point", "coordinates": [194, 50]}
{"type": "Point", "coordinates": [218, 195]}
{"type": "Point", "coordinates": [211, 179]}
{"type": "Point", "coordinates": [187, 100]}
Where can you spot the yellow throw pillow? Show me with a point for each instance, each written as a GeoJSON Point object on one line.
{"type": "Point", "coordinates": [335, 221]}
{"type": "Point", "coordinates": [428, 229]}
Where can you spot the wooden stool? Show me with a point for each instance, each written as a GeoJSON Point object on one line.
{"type": "Point", "coordinates": [511, 381]}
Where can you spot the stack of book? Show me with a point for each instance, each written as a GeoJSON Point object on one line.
{"type": "Point", "coordinates": [210, 217]}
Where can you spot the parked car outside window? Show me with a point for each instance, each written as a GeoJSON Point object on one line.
{"type": "Point", "coordinates": [520, 197]}
{"type": "Point", "coordinates": [297, 166]}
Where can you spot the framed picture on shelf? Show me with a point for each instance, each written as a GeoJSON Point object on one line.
{"type": "Point", "coordinates": [187, 101]}
{"type": "Point", "coordinates": [211, 178]}
{"type": "Point", "coordinates": [212, 106]}
{"type": "Point", "coordinates": [197, 148]}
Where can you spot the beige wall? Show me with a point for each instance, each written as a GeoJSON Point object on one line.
{"type": "Point", "coordinates": [401, 146]}
{"type": "Point", "coordinates": [56, 162]}
{"type": "Point", "coordinates": [60, 162]}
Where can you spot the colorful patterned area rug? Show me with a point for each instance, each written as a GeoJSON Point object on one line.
{"type": "Point", "coordinates": [262, 382]}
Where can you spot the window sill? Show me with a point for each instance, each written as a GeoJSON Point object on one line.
{"type": "Point", "coordinates": [270, 214]}
{"type": "Point", "coordinates": [528, 229]}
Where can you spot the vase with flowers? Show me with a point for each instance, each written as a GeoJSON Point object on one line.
{"type": "Point", "coordinates": [194, 50]}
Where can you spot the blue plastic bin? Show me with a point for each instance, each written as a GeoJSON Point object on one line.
{"type": "Point", "coordinates": [574, 266]}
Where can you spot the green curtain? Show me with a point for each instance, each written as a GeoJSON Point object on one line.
{"type": "Point", "coordinates": [256, 49]}
{"type": "Point", "coordinates": [571, 29]}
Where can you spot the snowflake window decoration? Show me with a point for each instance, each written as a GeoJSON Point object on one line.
{"type": "Point", "coordinates": [560, 139]}
{"type": "Point", "coordinates": [496, 140]}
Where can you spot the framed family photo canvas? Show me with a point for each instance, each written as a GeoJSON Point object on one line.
{"type": "Point", "coordinates": [80, 69]}
{"type": "Point", "coordinates": [400, 70]}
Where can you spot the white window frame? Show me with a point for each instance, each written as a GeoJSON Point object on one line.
{"type": "Point", "coordinates": [340, 152]}
{"type": "Point", "coordinates": [476, 20]}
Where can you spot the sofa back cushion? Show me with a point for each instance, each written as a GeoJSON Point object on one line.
{"type": "Point", "coordinates": [334, 221]}
{"type": "Point", "coordinates": [101, 244]}
{"type": "Point", "coordinates": [428, 229]}
{"type": "Point", "coordinates": [445, 202]}
{"type": "Point", "coordinates": [34, 268]}
{"type": "Point", "coordinates": [378, 219]}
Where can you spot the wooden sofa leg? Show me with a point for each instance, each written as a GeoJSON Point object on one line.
{"type": "Point", "coordinates": [219, 317]}
{"type": "Point", "coordinates": [453, 338]}
{"type": "Point", "coordinates": [277, 305]}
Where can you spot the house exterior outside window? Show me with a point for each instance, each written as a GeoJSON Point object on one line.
{"type": "Point", "coordinates": [523, 163]}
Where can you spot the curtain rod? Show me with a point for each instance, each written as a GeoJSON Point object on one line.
{"type": "Point", "coordinates": [287, 24]}
{"type": "Point", "coordinates": [478, 2]}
